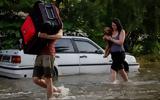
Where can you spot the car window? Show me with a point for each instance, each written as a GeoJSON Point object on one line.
{"type": "Point", "coordinates": [85, 46]}
{"type": "Point", "coordinates": [64, 46]}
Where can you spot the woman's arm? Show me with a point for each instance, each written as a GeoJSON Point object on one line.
{"type": "Point", "coordinates": [121, 38]}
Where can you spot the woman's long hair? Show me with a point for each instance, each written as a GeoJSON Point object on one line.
{"type": "Point", "coordinates": [118, 23]}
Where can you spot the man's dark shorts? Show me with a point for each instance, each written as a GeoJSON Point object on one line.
{"type": "Point", "coordinates": [43, 66]}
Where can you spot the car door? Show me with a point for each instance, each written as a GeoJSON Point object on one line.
{"type": "Point", "coordinates": [91, 57]}
{"type": "Point", "coordinates": [66, 57]}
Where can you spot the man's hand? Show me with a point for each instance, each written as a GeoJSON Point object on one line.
{"type": "Point", "coordinates": [52, 37]}
{"type": "Point", "coordinates": [42, 35]}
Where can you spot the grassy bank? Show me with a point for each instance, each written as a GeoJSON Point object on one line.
{"type": "Point", "coordinates": [146, 59]}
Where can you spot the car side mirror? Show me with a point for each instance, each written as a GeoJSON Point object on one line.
{"type": "Point", "coordinates": [99, 51]}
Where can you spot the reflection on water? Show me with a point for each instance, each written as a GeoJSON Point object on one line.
{"type": "Point", "coordinates": [142, 85]}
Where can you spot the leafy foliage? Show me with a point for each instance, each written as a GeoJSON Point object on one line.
{"type": "Point", "coordinates": [140, 18]}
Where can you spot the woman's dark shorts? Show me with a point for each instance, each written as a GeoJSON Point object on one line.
{"type": "Point", "coordinates": [118, 60]}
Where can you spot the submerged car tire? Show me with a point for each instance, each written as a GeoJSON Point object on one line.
{"type": "Point", "coordinates": [55, 73]}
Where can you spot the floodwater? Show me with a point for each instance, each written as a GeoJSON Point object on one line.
{"type": "Point", "coordinates": [142, 85]}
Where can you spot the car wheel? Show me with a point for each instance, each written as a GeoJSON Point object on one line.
{"type": "Point", "coordinates": [55, 73]}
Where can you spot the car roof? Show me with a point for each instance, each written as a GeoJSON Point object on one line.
{"type": "Point", "coordinates": [74, 37]}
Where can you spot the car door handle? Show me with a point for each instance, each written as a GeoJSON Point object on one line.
{"type": "Point", "coordinates": [57, 57]}
{"type": "Point", "coordinates": [83, 56]}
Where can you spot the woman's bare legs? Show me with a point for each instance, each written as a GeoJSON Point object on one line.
{"type": "Point", "coordinates": [123, 74]}
{"type": "Point", "coordinates": [113, 75]}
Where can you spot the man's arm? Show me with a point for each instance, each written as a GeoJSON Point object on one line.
{"type": "Point", "coordinates": [52, 37]}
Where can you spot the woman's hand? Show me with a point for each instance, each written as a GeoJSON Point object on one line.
{"type": "Point", "coordinates": [108, 38]}
{"type": "Point", "coordinates": [104, 37]}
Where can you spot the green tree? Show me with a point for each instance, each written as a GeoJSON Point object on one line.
{"type": "Point", "coordinates": [140, 18]}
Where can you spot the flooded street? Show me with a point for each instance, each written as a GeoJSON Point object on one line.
{"type": "Point", "coordinates": [141, 86]}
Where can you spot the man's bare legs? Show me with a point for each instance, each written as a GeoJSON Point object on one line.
{"type": "Point", "coordinates": [46, 83]}
{"type": "Point", "coordinates": [39, 82]}
{"type": "Point", "coordinates": [49, 87]}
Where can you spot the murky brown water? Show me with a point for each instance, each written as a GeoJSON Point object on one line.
{"type": "Point", "coordinates": [143, 85]}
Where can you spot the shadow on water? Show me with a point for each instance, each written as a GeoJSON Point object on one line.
{"type": "Point", "coordinates": [142, 85]}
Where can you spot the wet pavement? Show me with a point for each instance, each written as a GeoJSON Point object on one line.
{"type": "Point", "coordinates": [142, 85]}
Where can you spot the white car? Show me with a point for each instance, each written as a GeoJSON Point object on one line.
{"type": "Point", "coordinates": [74, 55]}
